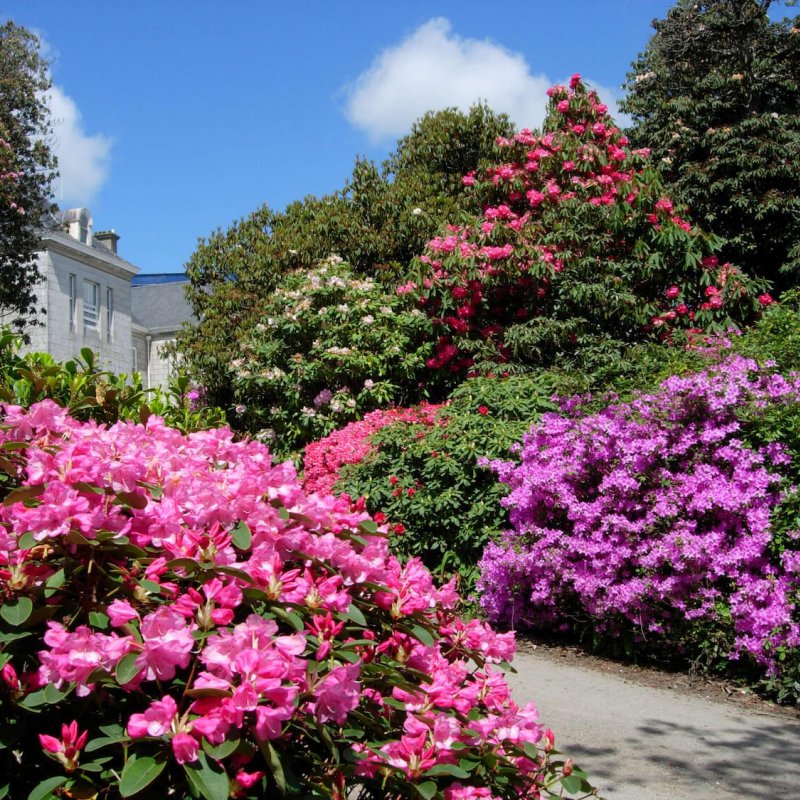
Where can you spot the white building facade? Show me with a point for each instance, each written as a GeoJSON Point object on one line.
{"type": "Point", "coordinates": [94, 298]}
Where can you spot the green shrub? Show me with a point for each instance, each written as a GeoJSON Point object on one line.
{"type": "Point", "coordinates": [91, 393]}
{"type": "Point", "coordinates": [426, 477]}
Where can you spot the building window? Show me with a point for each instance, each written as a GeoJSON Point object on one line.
{"type": "Point", "coordinates": [73, 301]}
{"type": "Point", "coordinates": [134, 360]}
{"type": "Point", "coordinates": [91, 302]}
{"type": "Point", "coordinates": [109, 312]}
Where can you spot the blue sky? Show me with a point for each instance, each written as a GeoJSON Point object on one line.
{"type": "Point", "coordinates": [178, 117]}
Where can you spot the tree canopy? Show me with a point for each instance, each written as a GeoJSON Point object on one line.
{"type": "Point", "coordinates": [27, 168]}
{"type": "Point", "coordinates": [716, 96]}
{"type": "Point", "coordinates": [377, 222]}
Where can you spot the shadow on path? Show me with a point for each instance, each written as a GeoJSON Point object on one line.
{"type": "Point", "coordinates": [643, 743]}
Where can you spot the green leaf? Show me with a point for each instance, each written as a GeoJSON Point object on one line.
{"type": "Point", "coordinates": [427, 789]}
{"type": "Point", "coordinates": [273, 759]}
{"type": "Point", "coordinates": [241, 536]}
{"type": "Point", "coordinates": [126, 670]}
{"type": "Point", "coordinates": [54, 582]}
{"type": "Point", "coordinates": [423, 634]}
{"type": "Point", "coordinates": [183, 563]}
{"type": "Point", "coordinates": [234, 572]}
{"type": "Point", "coordinates": [5, 638]}
{"type": "Point", "coordinates": [104, 741]}
{"type": "Point", "coordinates": [23, 494]}
{"type": "Point", "coordinates": [98, 619]}
{"type": "Point", "coordinates": [44, 790]}
{"type": "Point", "coordinates": [53, 695]}
{"type": "Point", "coordinates": [16, 612]}
{"type": "Point", "coordinates": [27, 541]}
{"type": "Point", "coordinates": [448, 769]}
{"type": "Point", "coordinates": [98, 765]}
{"type": "Point", "coordinates": [76, 537]}
{"type": "Point", "coordinates": [131, 499]}
{"type": "Point", "coordinates": [209, 780]}
{"type": "Point", "coordinates": [354, 613]}
{"type": "Point", "coordinates": [138, 773]}
{"type": "Point", "coordinates": [33, 700]}
{"type": "Point", "coordinates": [289, 616]}
{"type": "Point", "coordinates": [530, 750]}
{"type": "Point", "coordinates": [223, 750]}
{"type": "Point", "coordinates": [572, 783]}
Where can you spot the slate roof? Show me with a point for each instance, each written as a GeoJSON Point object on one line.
{"type": "Point", "coordinates": [159, 306]}
{"type": "Point", "coordinates": [151, 278]}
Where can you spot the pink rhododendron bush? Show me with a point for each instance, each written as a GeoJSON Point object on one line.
{"type": "Point", "coordinates": [652, 521]}
{"type": "Point", "coordinates": [579, 251]}
{"type": "Point", "coordinates": [179, 619]}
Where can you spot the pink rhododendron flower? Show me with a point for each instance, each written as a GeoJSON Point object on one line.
{"type": "Point", "coordinates": [338, 694]}
{"type": "Point", "coordinates": [156, 721]}
{"type": "Point", "coordinates": [67, 748]}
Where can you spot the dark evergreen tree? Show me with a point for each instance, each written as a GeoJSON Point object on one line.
{"type": "Point", "coordinates": [27, 168]}
{"type": "Point", "coordinates": [716, 96]}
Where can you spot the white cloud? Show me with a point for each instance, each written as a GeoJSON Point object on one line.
{"type": "Point", "coordinates": [435, 68]}
{"type": "Point", "coordinates": [83, 160]}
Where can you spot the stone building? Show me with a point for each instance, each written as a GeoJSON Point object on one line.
{"type": "Point", "coordinates": [159, 307]}
{"type": "Point", "coordinates": [94, 298]}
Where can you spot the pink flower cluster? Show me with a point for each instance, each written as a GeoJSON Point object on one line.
{"type": "Point", "coordinates": [214, 606]}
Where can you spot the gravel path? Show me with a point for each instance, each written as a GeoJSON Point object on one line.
{"type": "Point", "coordinates": [638, 742]}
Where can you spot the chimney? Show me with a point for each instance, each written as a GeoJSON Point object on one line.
{"type": "Point", "coordinates": [77, 222]}
{"type": "Point", "coordinates": [107, 239]}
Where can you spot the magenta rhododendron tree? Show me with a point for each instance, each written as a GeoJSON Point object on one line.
{"type": "Point", "coordinates": [179, 618]}
{"type": "Point", "coordinates": [579, 249]}
{"type": "Point", "coordinates": [652, 519]}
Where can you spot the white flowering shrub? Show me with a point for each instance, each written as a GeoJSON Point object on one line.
{"type": "Point", "coordinates": [329, 347]}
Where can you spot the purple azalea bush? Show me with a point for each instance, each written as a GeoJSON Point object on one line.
{"type": "Point", "coordinates": [652, 518]}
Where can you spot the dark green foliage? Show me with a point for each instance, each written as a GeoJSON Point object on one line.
{"type": "Point", "coordinates": [376, 222]}
{"type": "Point", "coordinates": [426, 172]}
{"type": "Point", "coordinates": [716, 96]}
{"type": "Point", "coordinates": [27, 168]}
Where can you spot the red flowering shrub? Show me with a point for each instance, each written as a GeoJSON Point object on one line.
{"type": "Point", "coordinates": [178, 618]}
{"type": "Point", "coordinates": [578, 250]}
{"type": "Point", "coordinates": [323, 460]}
{"type": "Point", "coordinates": [419, 469]}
